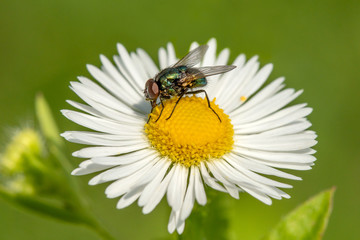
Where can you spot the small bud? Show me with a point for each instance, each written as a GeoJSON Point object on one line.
{"type": "Point", "coordinates": [32, 178]}
{"type": "Point", "coordinates": [20, 165]}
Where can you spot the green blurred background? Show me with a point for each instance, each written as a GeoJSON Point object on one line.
{"type": "Point", "coordinates": [315, 44]}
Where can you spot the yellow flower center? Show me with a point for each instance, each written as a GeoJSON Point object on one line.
{"type": "Point", "coordinates": [193, 133]}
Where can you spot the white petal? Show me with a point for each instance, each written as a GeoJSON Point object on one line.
{"type": "Point", "coordinates": [220, 176]}
{"type": "Point", "coordinates": [92, 152]}
{"type": "Point", "coordinates": [163, 58]}
{"type": "Point", "coordinates": [212, 84]}
{"type": "Point", "coordinates": [113, 81]}
{"type": "Point", "coordinates": [294, 127]}
{"type": "Point", "coordinates": [259, 195]}
{"type": "Point", "coordinates": [159, 192]}
{"type": "Point", "coordinates": [193, 45]}
{"type": "Point", "coordinates": [159, 167]}
{"type": "Point", "coordinates": [223, 57]}
{"type": "Point", "coordinates": [189, 197]}
{"type": "Point", "coordinates": [171, 54]}
{"type": "Point", "coordinates": [85, 108]}
{"type": "Point", "coordinates": [172, 222]}
{"type": "Point", "coordinates": [210, 55]}
{"type": "Point", "coordinates": [124, 158]}
{"type": "Point", "coordinates": [275, 156]}
{"type": "Point", "coordinates": [258, 187]}
{"type": "Point", "coordinates": [154, 184]}
{"type": "Point", "coordinates": [180, 227]}
{"type": "Point", "coordinates": [136, 88]}
{"type": "Point", "coordinates": [236, 162]}
{"type": "Point", "coordinates": [91, 140]}
{"type": "Point", "coordinates": [87, 167]}
{"type": "Point", "coordinates": [280, 118]}
{"type": "Point", "coordinates": [258, 80]}
{"type": "Point", "coordinates": [230, 174]}
{"type": "Point", "coordinates": [124, 184]}
{"type": "Point", "coordinates": [293, 166]}
{"type": "Point", "coordinates": [149, 64]}
{"type": "Point", "coordinates": [119, 87]}
{"type": "Point", "coordinates": [128, 199]}
{"type": "Point", "coordinates": [269, 106]}
{"type": "Point", "coordinates": [242, 76]}
{"type": "Point", "coordinates": [211, 182]}
{"type": "Point", "coordinates": [175, 222]}
{"type": "Point", "coordinates": [226, 79]}
{"type": "Point", "coordinates": [139, 66]}
{"type": "Point", "coordinates": [247, 90]}
{"type": "Point", "coordinates": [171, 191]}
{"type": "Point", "coordinates": [98, 138]}
{"type": "Point", "coordinates": [199, 188]}
{"type": "Point", "coordinates": [265, 93]}
{"type": "Point", "coordinates": [137, 180]}
{"type": "Point", "coordinates": [96, 97]}
{"type": "Point", "coordinates": [123, 171]}
{"type": "Point", "coordinates": [281, 143]}
{"type": "Point", "coordinates": [126, 170]}
{"type": "Point", "coordinates": [101, 124]}
{"type": "Point", "coordinates": [83, 134]}
{"type": "Point", "coordinates": [177, 187]}
{"type": "Point", "coordinates": [265, 138]}
{"type": "Point", "coordinates": [131, 68]}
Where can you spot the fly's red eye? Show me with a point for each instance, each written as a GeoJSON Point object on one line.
{"type": "Point", "coordinates": [151, 89]}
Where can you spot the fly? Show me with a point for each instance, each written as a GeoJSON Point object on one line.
{"type": "Point", "coordinates": [181, 78]}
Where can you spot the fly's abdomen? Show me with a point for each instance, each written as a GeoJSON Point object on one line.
{"type": "Point", "coordinates": [199, 82]}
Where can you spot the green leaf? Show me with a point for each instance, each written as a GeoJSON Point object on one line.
{"type": "Point", "coordinates": [46, 120]}
{"type": "Point", "coordinates": [51, 132]}
{"type": "Point", "coordinates": [308, 221]}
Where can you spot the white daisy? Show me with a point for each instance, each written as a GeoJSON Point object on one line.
{"type": "Point", "coordinates": [179, 157]}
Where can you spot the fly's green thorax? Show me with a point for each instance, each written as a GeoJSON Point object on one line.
{"type": "Point", "coordinates": [168, 77]}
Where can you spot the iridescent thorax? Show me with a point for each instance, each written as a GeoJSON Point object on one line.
{"type": "Point", "coordinates": [172, 81]}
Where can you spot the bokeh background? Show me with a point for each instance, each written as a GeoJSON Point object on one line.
{"type": "Point", "coordinates": [45, 44]}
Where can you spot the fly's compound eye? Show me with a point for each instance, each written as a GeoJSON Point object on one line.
{"type": "Point", "coordinates": [151, 90]}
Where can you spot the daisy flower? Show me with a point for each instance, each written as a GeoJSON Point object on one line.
{"type": "Point", "coordinates": [179, 158]}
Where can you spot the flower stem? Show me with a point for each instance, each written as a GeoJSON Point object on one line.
{"type": "Point", "coordinates": [74, 199]}
{"type": "Point", "coordinates": [209, 222]}
{"type": "Point", "coordinates": [102, 232]}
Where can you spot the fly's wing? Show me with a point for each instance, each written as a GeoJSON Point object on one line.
{"type": "Point", "coordinates": [193, 57]}
{"type": "Point", "coordinates": [193, 74]}
{"type": "Point", "coordinates": [202, 72]}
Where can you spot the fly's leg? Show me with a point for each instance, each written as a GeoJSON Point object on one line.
{"type": "Point", "coordinates": [153, 105]}
{"type": "Point", "coordinates": [181, 95]}
{"type": "Point", "coordinates": [207, 98]}
{"type": "Point", "coordinates": [149, 117]}
{"type": "Point", "coordinates": [161, 110]}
